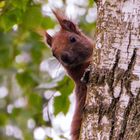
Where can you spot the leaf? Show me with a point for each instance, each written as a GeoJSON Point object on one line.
{"type": "Point", "coordinates": [16, 112]}
{"type": "Point", "coordinates": [10, 18]}
{"type": "Point", "coordinates": [6, 51]}
{"type": "Point", "coordinates": [48, 138]}
{"type": "Point", "coordinates": [65, 86]}
{"type": "Point", "coordinates": [35, 105]}
{"type": "Point", "coordinates": [36, 52]}
{"type": "Point", "coordinates": [2, 4]}
{"type": "Point", "coordinates": [26, 80]}
{"type": "Point", "coordinates": [35, 101]}
{"type": "Point", "coordinates": [38, 118]}
{"type": "Point", "coordinates": [88, 27]}
{"type": "Point", "coordinates": [21, 4]}
{"type": "Point", "coordinates": [36, 48]}
{"type": "Point", "coordinates": [47, 23]}
{"type": "Point", "coordinates": [3, 119]}
{"type": "Point", "coordinates": [62, 103]}
{"type": "Point", "coordinates": [32, 18]}
{"type": "Point", "coordinates": [91, 2]}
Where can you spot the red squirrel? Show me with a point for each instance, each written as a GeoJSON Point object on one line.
{"type": "Point", "coordinates": [73, 50]}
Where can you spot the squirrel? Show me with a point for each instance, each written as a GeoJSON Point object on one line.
{"type": "Point", "coordinates": [73, 50]}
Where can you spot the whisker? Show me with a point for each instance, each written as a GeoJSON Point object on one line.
{"type": "Point", "coordinates": [59, 65]}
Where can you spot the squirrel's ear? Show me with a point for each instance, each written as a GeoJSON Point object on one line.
{"type": "Point", "coordinates": [68, 25]}
{"type": "Point", "coordinates": [48, 39]}
{"type": "Point", "coordinates": [64, 22]}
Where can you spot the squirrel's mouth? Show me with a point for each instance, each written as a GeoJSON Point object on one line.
{"type": "Point", "coordinates": [67, 59]}
{"type": "Point", "coordinates": [68, 63]}
{"type": "Point", "coordinates": [73, 59]}
{"type": "Point", "coordinates": [71, 62]}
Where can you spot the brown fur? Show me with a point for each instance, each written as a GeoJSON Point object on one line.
{"type": "Point", "coordinates": [73, 50]}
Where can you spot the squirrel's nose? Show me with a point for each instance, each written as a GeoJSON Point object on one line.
{"type": "Point", "coordinates": [66, 58]}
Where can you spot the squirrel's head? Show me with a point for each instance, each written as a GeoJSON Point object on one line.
{"type": "Point", "coordinates": [70, 46]}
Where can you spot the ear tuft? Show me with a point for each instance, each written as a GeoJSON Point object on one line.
{"type": "Point", "coordinates": [69, 25]}
{"type": "Point", "coordinates": [48, 39]}
{"type": "Point", "coordinates": [64, 22]}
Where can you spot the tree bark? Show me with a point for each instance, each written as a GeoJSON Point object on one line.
{"type": "Point", "coordinates": [112, 109]}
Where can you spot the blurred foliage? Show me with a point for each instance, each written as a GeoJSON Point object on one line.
{"type": "Point", "coordinates": [22, 50]}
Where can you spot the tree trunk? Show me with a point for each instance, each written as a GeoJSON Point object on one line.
{"type": "Point", "coordinates": [112, 109]}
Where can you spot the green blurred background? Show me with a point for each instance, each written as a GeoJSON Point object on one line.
{"type": "Point", "coordinates": [34, 90]}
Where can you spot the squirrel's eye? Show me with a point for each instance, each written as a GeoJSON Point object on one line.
{"type": "Point", "coordinates": [72, 39]}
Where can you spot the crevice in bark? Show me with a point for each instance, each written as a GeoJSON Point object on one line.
{"type": "Point", "coordinates": [132, 62]}
{"type": "Point", "coordinates": [111, 75]}
{"type": "Point", "coordinates": [127, 82]}
{"type": "Point", "coordinates": [113, 116]}
{"type": "Point", "coordinates": [110, 81]}
{"type": "Point", "coordinates": [119, 75]}
{"type": "Point", "coordinates": [112, 110]}
{"type": "Point", "coordinates": [99, 76]}
{"type": "Point", "coordinates": [128, 74]}
{"type": "Point", "coordinates": [90, 109]}
{"type": "Point", "coordinates": [125, 118]}
{"type": "Point", "coordinates": [112, 113]}
{"type": "Point", "coordinates": [101, 112]}
{"type": "Point", "coordinates": [129, 43]}
{"type": "Point", "coordinates": [135, 119]}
